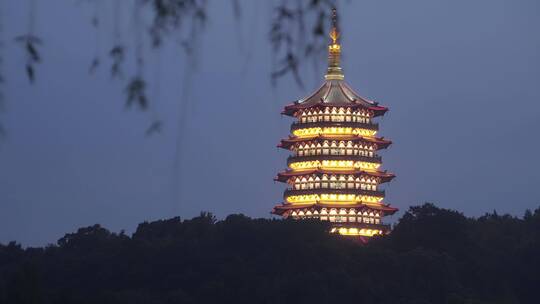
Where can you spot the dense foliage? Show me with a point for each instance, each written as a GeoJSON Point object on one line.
{"type": "Point", "coordinates": [433, 256]}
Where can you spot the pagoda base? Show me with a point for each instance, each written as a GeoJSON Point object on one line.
{"type": "Point", "coordinates": [359, 220]}
{"type": "Point", "coordinates": [360, 230]}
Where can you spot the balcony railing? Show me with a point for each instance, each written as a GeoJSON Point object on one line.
{"type": "Point", "coordinates": [384, 227]}
{"type": "Point", "coordinates": [291, 191]}
{"type": "Point", "coordinates": [368, 159]}
{"type": "Point", "coordinates": [346, 124]}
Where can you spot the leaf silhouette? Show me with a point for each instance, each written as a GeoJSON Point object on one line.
{"type": "Point", "coordinates": [155, 127]}
{"type": "Point", "coordinates": [117, 54]}
{"type": "Point", "coordinates": [298, 33]}
{"type": "Point", "coordinates": [30, 43]}
{"type": "Point", "coordinates": [94, 65]}
{"type": "Point", "coordinates": [30, 73]}
{"type": "Point", "coordinates": [136, 93]}
{"type": "Point", "coordinates": [32, 52]}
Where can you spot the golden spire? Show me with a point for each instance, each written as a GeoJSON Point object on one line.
{"type": "Point", "coordinates": [334, 71]}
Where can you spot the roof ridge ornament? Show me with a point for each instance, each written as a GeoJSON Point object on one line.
{"type": "Point", "coordinates": [334, 71]}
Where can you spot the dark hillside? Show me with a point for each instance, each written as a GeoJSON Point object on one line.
{"type": "Point", "coordinates": [433, 256]}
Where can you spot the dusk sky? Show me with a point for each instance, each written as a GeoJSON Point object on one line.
{"type": "Point", "coordinates": [461, 80]}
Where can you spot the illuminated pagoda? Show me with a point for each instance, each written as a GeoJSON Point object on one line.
{"type": "Point", "coordinates": [334, 170]}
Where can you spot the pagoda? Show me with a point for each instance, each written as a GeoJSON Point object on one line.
{"type": "Point", "coordinates": [334, 173]}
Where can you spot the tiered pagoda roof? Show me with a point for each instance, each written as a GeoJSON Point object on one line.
{"type": "Point", "coordinates": [285, 175]}
{"type": "Point", "coordinates": [334, 173]}
{"type": "Point", "coordinates": [281, 209]}
{"type": "Point", "coordinates": [334, 92]}
{"type": "Point", "coordinates": [379, 141]}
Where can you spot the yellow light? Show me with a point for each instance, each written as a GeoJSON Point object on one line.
{"type": "Point", "coordinates": [302, 199]}
{"type": "Point", "coordinates": [334, 164]}
{"type": "Point", "coordinates": [310, 132]}
{"type": "Point", "coordinates": [306, 165]}
{"type": "Point", "coordinates": [332, 198]}
{"type": "Point", "coordinates": [367, 166]}
{"type": "Point", "coordinates": [356, 232]}
{"type": "Point", "coordinates": [349, 198]}
{"type": "Point", "coordinates": [369, 199]}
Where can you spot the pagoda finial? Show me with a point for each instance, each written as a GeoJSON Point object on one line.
{"type": "Point", "coordinates": [334, 52]}
{"type": "Point", "coordinates": [334, 34]}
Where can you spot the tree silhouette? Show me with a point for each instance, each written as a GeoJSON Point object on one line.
{"type": "Point", "coordinates": [433, 255]}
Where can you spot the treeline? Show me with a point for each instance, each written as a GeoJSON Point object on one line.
{"type": "Point", "coordinates": [433, 255]}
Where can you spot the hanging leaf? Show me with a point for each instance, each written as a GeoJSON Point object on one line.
{"type": "Point", "coordinates": [155, 127]}
{"type": "Point", "coordinates": [30, 72]}
{"type": "Point", "coordinates": [94, 65]}
{"type": "Point", "coordinates": [117, 54]}
{"type": "Point", "coordinates": [136, 94]}
{"type": "Point", "coordinates": [32, 52]}
{"type": "Point", "coordinates": [30, 43]}
{"type": "Point", "coordinates": [291, 40]}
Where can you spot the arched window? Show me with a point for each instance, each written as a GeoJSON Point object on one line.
{"type": "Point", "coordinates": [350, 182]}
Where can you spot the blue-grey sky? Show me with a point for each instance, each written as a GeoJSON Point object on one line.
{"type": "Point", "coordinates": [461, 79]}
